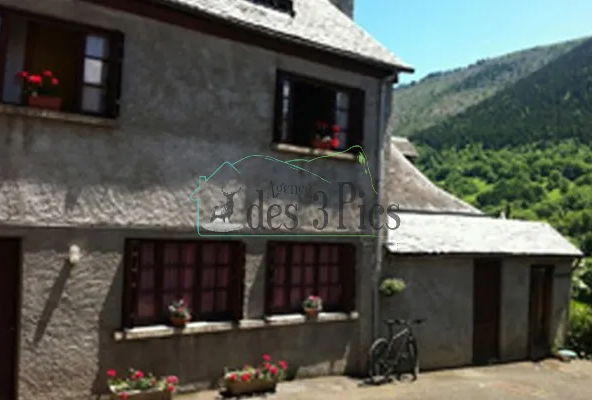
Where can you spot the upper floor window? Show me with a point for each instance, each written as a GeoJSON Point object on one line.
{"type": "Point", "coordinates": [317, 114]}
{"type": "Point", "coordinates": [207, 275]}
{"type": "Point", "coordinates": [298, 270]}
{"type": "Point", "coordinates": [85, 61]}
{"type": "Point", "coordinates": [286, 6]}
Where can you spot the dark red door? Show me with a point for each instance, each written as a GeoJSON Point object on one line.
{"type": "Point", "coordinates": [541, 292]}
{"type": "Point", "coordinates": [9, 299]}
{"type": "Point", "coordinates": [486, 310]}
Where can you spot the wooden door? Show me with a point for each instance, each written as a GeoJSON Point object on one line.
{"type": "Point", "coordinates": [541, 292]}
{"type": "Point", "coordinates": [486, 310]}
{"type": "Point", "coordinates": [9, 315]}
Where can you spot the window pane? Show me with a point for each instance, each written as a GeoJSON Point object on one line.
{"type": "Point", "coordinates": [335, 274]}
{"type": "Point", "coordinates": [324, 293]}
{"type": "Point", "coordinates": [278, 297]}
{"type": "Point", "coordinates": [324, 255]}
{"type": "Point", "coordinates": [145, 305]}
{"type": "Point", "coordinates": [207, 302]}
{"type": "Point", "coordinates": [208, 277]}
{"type": "Point", "coordinates": [335, 293]}
{"type": "Point", "coordinates": [208, 254]}
{"type": "Point", "coordinates": [296, 275]}
{"type": "Point", "coordinates": [93, 99]}
{"type": "Point", "coordinates": [94, 71]}
{"type": "Point", "coordinates": [97, 46]}
{"type": "Point", "coordinates": [309, 255]}
{"type": "Point", "coordinates": [189, 254]}
{"type": "Point", "coordinates": [286, 89]}
{"type": "Point", "coordinates": [296, 254]}
{"type": "Point", "coordinates": [148, 254]}
{"type": "Point", "coordinates": [170, 278]}
{"type": "Point", "coordinates": [342, 100]}
{"type": "Point", "coordinates": [309, 276]}
{"type": "Point", "coordinates": [223, 254]}
{"type": "Point", "coordinates": [295, 297]}
{"type": "Point", "coordinates": [341, 119]}
{"type": "Point", "coordinates": [323, 274]}
{"type": "Point", "coordinates": [279, 274]}
{"type": "Point", "coordinates": [221, 301]}
{"type": "Point", "coordinates": [280, 255]}
{"type": "Point", "coordinates": [222, 277]}
{"type": "Point", "coordinates": [168, 298]}
{"type": "Point", "coordinates": [147, 279]}
{"type": "Point", "coordinates": [285, 107]}
{"type": "Point", "coordinates": [188, 300]}
{"type": "Point", "coordinates": [188, 278]}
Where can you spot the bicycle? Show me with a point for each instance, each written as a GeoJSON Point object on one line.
{"type": "Point", "coordinates": [387, 356]}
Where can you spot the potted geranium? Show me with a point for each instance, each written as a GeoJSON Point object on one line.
{"type": "Point", "coordinates": [312, 306]}
{"type": "Point", "coordinates": [325, 137]}
{"type": "Point", "coordinates": [179, 314]}
{"type": "Point", "coordinates": [40, 90]}
{"type": "Point", "coordinates": [254, 379]}
{"type": "Point", "coordinates": [137, 385]}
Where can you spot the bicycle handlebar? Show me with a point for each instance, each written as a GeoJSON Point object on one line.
{"type": "Point", "coordinates": [404, 322]}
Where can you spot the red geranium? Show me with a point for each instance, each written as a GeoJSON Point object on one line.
{"type": "Point", "coordinates": [124, 395]}
{"type": "Point", "coordinates": [266, 357]}
{"type": "Point", "coordinates": [246, 377]}
{"type": "Point", "coordinates": [111, 373]}
{"type": "Point", "coordinates": [283, 364]}
{"type": "Point", "coordinates": [43, 84]}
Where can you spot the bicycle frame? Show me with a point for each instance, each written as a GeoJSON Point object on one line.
{"type": "Point", "coordinates": [406, 335]}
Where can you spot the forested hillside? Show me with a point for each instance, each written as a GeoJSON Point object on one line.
{"type": "Point", "coordinates": [514, 134]}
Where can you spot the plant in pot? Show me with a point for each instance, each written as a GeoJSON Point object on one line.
{"type": "Point", "coordinates": [40, 90]}
{"type": "Point", "coordinates": [312, 306]}
{"type": "Point", "coordinates": [179, 314]}
{"type": "Point", "coordinates": [325, 136]}
{"type": "Point", "coordinates": [254, 379]}
{"type": "Point", "coordinates": [392, 286]}
{"type": "Point", "coordinates": [137, 385]}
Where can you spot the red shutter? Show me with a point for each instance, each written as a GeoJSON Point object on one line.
{"type": "Point", "coordinates": [349, 262]}
{"type": "Point", "coordinates": [130, 282]}
{"type": "Point", "coordinates": [237, 289]}
{"type": "Point", "coordinates": [115, 74]}
{"type": "Point", "coordinates": [356, 118]}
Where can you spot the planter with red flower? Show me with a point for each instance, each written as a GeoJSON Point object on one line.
{"type": "Point", "coordinates": [325, 136]}
{"type": "Point", "coordinates": [254, 379]}
{"type": "Point", "coordinates": [179, 314]}
{"type": "Point", "coordinates": [137, 385]}
{"type": "Point", "coordinates": [312, 306]}
{"type": "Point", "coordinates": [40, 90]}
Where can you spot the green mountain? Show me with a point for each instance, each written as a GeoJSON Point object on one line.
{"type": "Point", "coordinates": [440, 95]}
{"type": "Point", "coordinates": [511, 134]}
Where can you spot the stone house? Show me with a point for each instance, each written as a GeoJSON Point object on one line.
{"type": "Point", "coordinates": [97, 227]}
{"type": "Point", "coordinates": [490, 289]}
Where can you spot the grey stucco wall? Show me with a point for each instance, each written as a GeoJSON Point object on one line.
{"type": "Point", "coordinates": [189, 103]}
{"type": "Point", "coordinates": [70, 315]}
{"type": "Point", "coordinates": [440, 289]}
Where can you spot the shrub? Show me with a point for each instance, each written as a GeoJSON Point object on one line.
{"type": "Point", "coordinates": [579, 338]}
{"type": "Point", "coordinates": [390, 287]}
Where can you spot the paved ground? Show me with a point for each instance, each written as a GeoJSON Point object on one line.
{"type": "Point", "coordinates": [547, 380]}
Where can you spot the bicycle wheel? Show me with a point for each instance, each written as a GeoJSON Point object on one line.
{"type": "Point", "coordinates": [379, 367]}
{"type": "Point", "coordinates": [413, 358]}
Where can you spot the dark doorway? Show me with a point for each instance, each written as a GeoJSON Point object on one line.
{"type": "Point", "coordinates": [486, 310]}
{"type": "Point", "coordinates": [539, 326]}
{"type": "Point", "coordinates": [9, 298]}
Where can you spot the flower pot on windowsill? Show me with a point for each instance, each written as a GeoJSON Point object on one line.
{"type": "Point", "coordinates": [312, 312]}
{"type": "Point", "coordinates": [46, 102]}
{"type": "Point", "coordinates": [147, 395]}
{"type": "Point", "coordinates": [179, 322]}
{"type": "Point", "coordinates": [320, 144]}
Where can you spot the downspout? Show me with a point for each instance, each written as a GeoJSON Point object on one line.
{"type": "Point", "coordinates": [384, 89]}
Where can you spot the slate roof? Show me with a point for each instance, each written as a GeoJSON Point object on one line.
{"type": "Point", "coordinates": [404, 146]}
{"type": "Point", "coordinates": [462, 234]}
{"type": "Point", "coordinates": [317, 23]}
{"type": "Point", "coordinates": [406, 186]}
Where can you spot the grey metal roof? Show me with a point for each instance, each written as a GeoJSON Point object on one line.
{"type": "Point", "coordinates": [317, 23]}
{"type": "Point", "coordinates": [406, 186]}
{"type": "Point", "coordinates": [462, 234]}
{"type": "Point", "coordinates": [404, 146]}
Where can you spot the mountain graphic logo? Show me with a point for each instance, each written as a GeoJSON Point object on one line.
{"type": "Point", "coordinates": [217, 222]}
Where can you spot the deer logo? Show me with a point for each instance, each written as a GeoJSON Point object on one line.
{"type": "Point", "coordinates": [225, 210]}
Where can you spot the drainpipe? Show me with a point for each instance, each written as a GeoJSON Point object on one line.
{"type": "Point", "coordinates": [385, 89]}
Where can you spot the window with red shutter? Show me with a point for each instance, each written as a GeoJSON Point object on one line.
{"type": "Point", "coordinates": [297, 270]}
{"type": "Point", "coordinates": [86, 61]}
{"type": "Point", "coordinates": [207, 275]}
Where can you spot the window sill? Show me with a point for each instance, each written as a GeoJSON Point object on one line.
{"type": "Point", "coordinates": [31, 112]}
{"type": "Point", "coordinates": [195, 328]}
{"type": "Point", "coordinates": [309, 151]}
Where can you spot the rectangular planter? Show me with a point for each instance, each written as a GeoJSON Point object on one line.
{"type": "Point", "coordinates": [46, 102]}
{"type": "Point", "coordinates": [254, 386]}
{"type": "Point", "coordinates": [164, 395]}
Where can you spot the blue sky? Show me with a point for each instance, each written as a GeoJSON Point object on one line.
{"type": "Point", "coordinates": [436, 35]}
